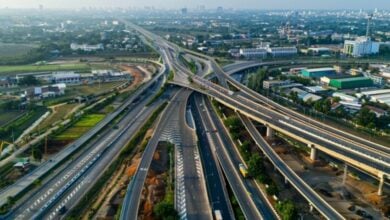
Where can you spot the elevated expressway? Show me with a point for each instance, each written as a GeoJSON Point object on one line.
{"type": "Point", "coordinates": [367, 156]}
{"type": "Point", "coordinates": [378, 155]}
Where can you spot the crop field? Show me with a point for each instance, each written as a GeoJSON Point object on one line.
{"type": "Point", "coordinates": [7, 117]}
{"type": "Point", "coordinates": [4, 70]}
{"type": "Point", "coordinates": [12, 50]}
{"type": "Point", "coordinates": [80, 128]}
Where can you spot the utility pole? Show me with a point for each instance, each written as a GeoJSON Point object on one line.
{"type": "Point", "coordinates": [46, 156]}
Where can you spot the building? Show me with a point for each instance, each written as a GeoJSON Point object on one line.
{"type": "Point", "coordinates": [305, 96]}
{"type": "Point", "coordinates": [351, 83]}
{"type": "Point", "coordinates": [377, 79]}
{"type": "Point", "coordinates": [311, 97]}
{"type": "Point", "coordinates": [46, 91]}
{"type": "Point", "coordinates": [315, 89]}
{"type": "Point", "coordinates": [282, 51]}
{"type": "Point", "coordinates": [370, 93]}
{"type": "Point", "coordinates": [345, 97]}
{"type": "Point", "coordinates": [253, 52]}
{"type": "Point", "coordinates": [354, 106]}
{"type": "Point", "coordinates": [184, 11]}
{"type": "Point", "coordinates": [377, 111]}
{"type": "Point", "coordinates": [86, 47]}
{"type": "Point", "coordinates": [297, 70]}
{"type": "Point", "coordinates": [319, 50]}
{"type": "Point", "coordinates": [362, 46]}
{"type": "Point", "coordinates": [65, 77]}
{"type": "Point", "coordinates": [269, 84]}
{"type": "Point", "coordinates": [318, 72]}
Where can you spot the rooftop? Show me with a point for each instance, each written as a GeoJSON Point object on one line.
{"type": "Point", "coordinates": [320, 69]}
{"type": "Point", "coordinates": [352, 79]}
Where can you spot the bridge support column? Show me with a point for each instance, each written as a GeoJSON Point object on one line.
{"type": "Point", "coordinates": [345, 174]}
{"type": "Point", "coordinates": [313, 152]}
{"type": "Point", "coordinates": [270, 132]}
{"type": "Point", "coordinates": [381, 183]}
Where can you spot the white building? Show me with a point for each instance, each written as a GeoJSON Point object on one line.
{"type": "Point", "coordinates": [86, 47]}
{"type": "Point", "coordinates": [361, 46]}
{"type": "Point", "coordinates": [345, 97]}
{"type": "Point", "coordinates": [253, 52]}
{"type": "Point", "coordinates": [282, 51]}
{"type": "Point", "coordinates": [66, 77]}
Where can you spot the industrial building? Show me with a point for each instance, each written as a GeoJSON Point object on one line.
{"type": "Point", "coordinates": [351, 83]}
{"type": "Point", "coordinates": [362, 46]}
{"type": "Point", "coordinates": [253, 52]}
{"type": "Point", "coordinates": [263, 52]}
{"type": "Point", "coordinates": [345, 97]}
{"type": "Point", "coordinates": [86, 47]}
{"type": "Point", "coordinates": [318, 72]}
{"type": "Point", "coordinates": [66, 77]}
{"type": "Point", "coordinates": [282, 51]}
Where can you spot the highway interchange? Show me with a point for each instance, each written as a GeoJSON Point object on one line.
{"type": "Point", "coordinates": [205, 188]}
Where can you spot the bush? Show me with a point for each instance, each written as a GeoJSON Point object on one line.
{"type": "Point", "coordinates": [165, 211]}
{"type": "Point", "coordinates": [287, 210]}
{"type": "Point", "coordinates": [272, 189]}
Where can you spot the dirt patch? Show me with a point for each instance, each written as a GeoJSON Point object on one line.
{"type": "Point", "coordinates": [155, 184]}
{"type": "Point", "coordinates": [328, 182]}
{"type": "Point", "coordinates": [137, 75]}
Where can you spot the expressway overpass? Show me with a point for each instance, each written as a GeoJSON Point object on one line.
{"type": "Point", "coordinates": [367, 156]}
{"type": "Point", "coordinates": [367, 159]}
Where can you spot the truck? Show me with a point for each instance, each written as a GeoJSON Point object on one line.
{"type": "Point", "coordinates": [218, 215]}
{"type": "Point", "coordinates": [243, 170]}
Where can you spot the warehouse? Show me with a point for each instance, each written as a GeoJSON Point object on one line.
{"type": "Point", "coordinates": [318, 72]}
{"type": "Point", "coordinates": [351, 83]}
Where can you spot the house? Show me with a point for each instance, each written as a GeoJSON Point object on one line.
{"type": "Point", "coordinates": [377, 111]}
{"type": "Point", "coordinates": [46, 91]}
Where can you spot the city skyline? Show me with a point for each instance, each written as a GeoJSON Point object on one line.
{"type": "Point", "coordinates": [169, 4]}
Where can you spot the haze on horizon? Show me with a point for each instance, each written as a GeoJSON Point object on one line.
{"type": "Point", "coordinates": [166, 4]}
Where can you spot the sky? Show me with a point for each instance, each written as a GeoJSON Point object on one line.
{"type": "Point", "coordinates": [167, 4]}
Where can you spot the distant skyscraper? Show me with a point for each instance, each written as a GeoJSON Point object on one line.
{"type": "Point", "coordinates": [184, 11]}
{"type": "Point", "coordinates": [202, 7]}
{"type": "Point", "coordinates": [220, 9]}
{"type": "Point", "coordinates": [40, 7]}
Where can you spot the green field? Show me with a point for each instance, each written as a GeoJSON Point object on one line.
{"type": "Point", "coordinates": [13, 50]}
{"type": "Point", "coordinates": [60, 113]}
{"type": "Point", "coordinates": [8, 116]}
{"type": "Point", "coordinates": [80, 128]}
{"type": "Point", "coordinates": [43, 68]}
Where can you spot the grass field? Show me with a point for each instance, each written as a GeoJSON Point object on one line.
{"type": "Point", "coordinates": [12, 50]}
{"type": "Point", "coordinates": [8, 116]}
{"type": "Point", "coordinates": [42, 68]}
{"type": "Point", "coordinates": [59, 113]}
{"type": "Point", "coordinates": [80, 128]}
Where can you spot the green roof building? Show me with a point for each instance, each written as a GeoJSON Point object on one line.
{"type": "Point", "coordinates": [351, 83]}
{"type": "Point", "coordinates": [318, 72]}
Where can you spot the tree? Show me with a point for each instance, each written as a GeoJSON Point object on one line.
{"type": "Point", "coordinates": [165, 211]}
{"type": "Point", "coordinates": [245, 150]}
{"type": "Point", "coordinates": [36, 153]}
{"type": "Point", "coordinates": [28, 81]}
{"type": "Point", "coordinates": [256, 166]}
{"type": "Point", "coordinates": [366, 118]}
{"type": "Point", "coordinates": [272, 189]}
{"type": "Point", "coordinates": [287, 210]}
